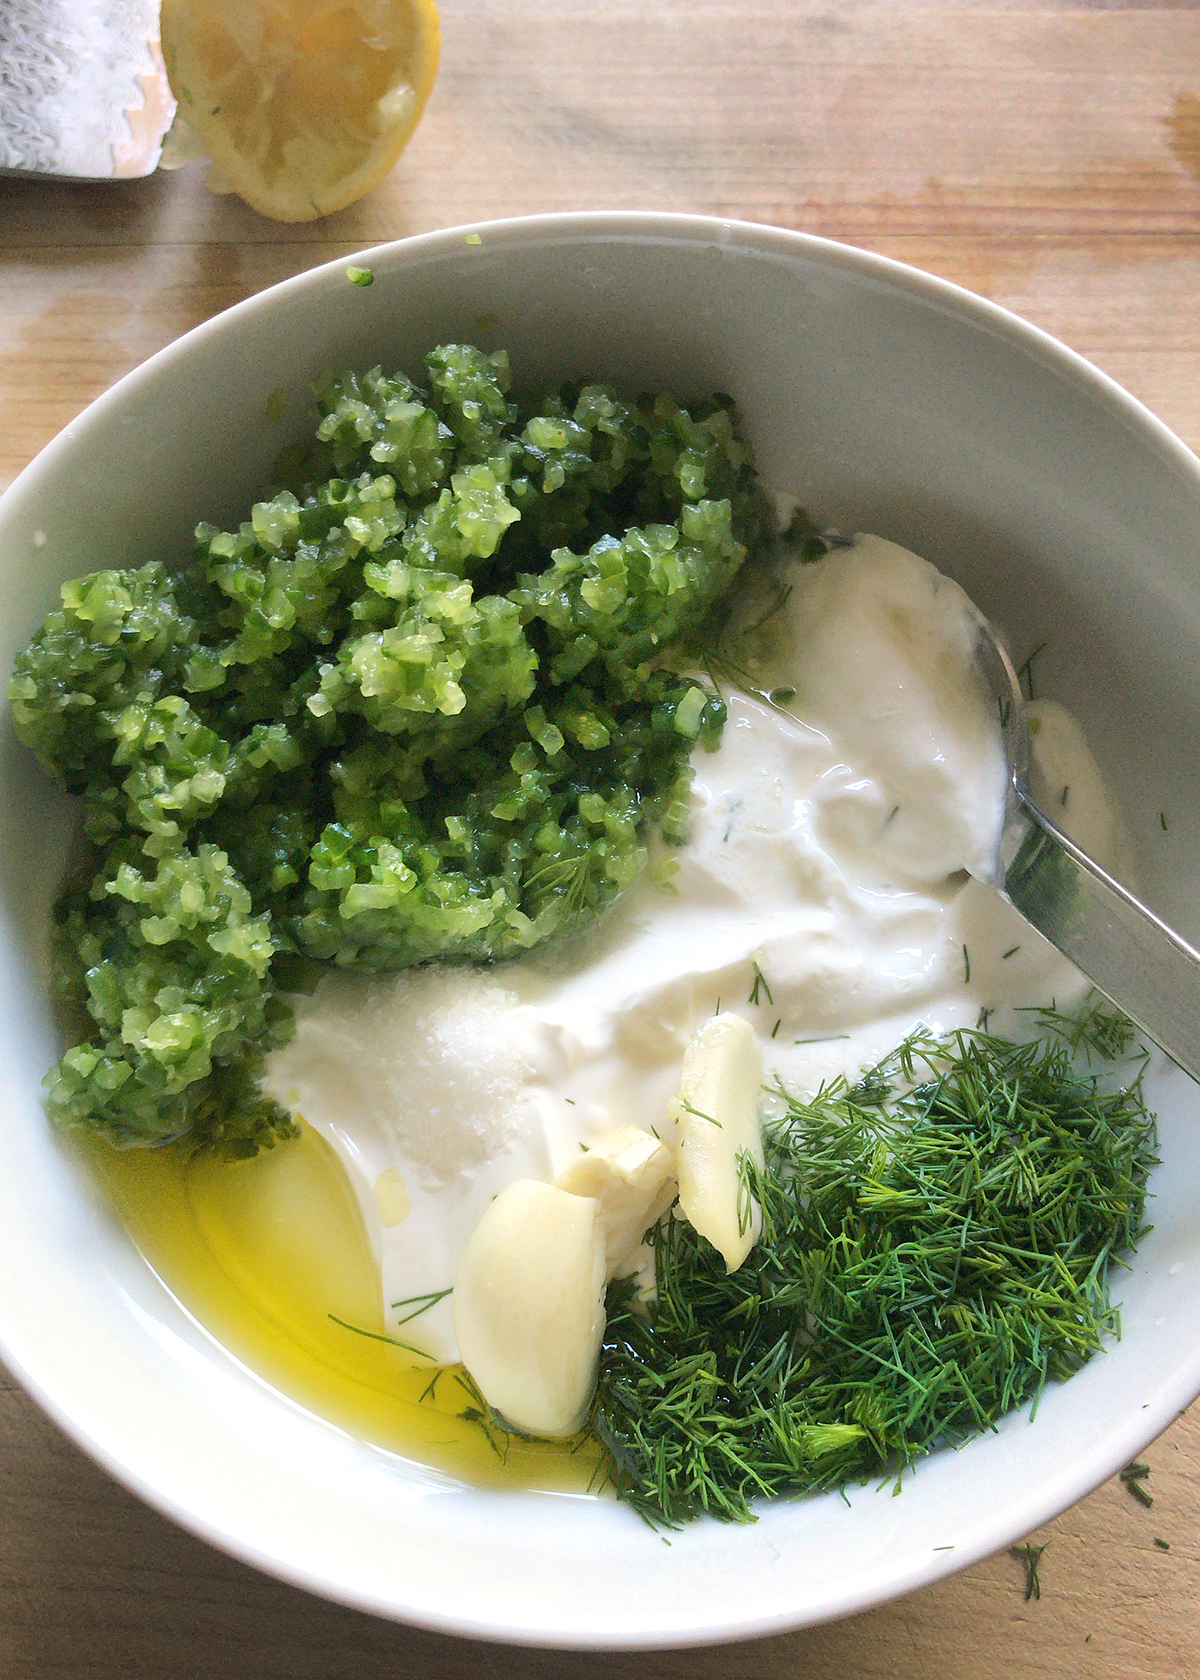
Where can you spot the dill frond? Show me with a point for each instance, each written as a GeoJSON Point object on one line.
{"type": "Point", "coordinates": [936, 1246]}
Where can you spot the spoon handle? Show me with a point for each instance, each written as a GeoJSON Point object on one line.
{"type": "Point", "coordinates": [1135, 959]}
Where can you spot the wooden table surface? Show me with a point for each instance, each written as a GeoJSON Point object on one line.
{"type": "Point", "coordinates": [1045, 155]}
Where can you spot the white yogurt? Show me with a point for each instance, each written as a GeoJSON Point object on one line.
{"type": "Point", "coordinates": [823, 894]}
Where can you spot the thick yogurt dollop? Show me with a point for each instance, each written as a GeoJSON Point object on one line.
{"type": "Point", "coordinates": [825, 894]}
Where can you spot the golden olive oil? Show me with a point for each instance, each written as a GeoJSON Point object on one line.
{"type": "Point", "coordinates": [270, 1256]}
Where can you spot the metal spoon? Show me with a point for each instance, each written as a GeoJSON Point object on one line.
{"type": "Point", "coordinates": [1131, 955]}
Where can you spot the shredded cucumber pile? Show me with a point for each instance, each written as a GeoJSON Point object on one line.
{"type": "Point", "coordinates": [417, 706]}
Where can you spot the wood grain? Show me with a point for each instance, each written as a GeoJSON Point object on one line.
{"type": "Point", "coordinates": [1044, 154]}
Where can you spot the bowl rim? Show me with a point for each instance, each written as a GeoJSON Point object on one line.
{"type": "Point", "coordinates": [670, 228]}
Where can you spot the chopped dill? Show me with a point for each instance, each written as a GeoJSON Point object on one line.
{"type": "Point", "coordinates": [498, 1437]}
{"type": "Point", "coordinates": [1133, 1475]}
{"type": "Point", "coordinates": [760, 985]}
{"type": "Point", "coordinates": [891, 816]}
{"type": "Point", "coordinates": [962, 1205]}
{"type": "Point", "coordinates": [1011, 952]}
{"type": "Point", "coordinates": [1064, 795]}
{"type": "Point", "coordinates": [777, 1026]}
{"type": "Point", "coordinates": [808, 539]}
{"type": "Point", "coordinates": [783, 593]}
{"type": "Point", "coordinates": [1096, 1028]}
{"type": "Point", "coordinates": [1025, 674]}
{"type": "Point", "coordinates": [1031, 1557]}
{"type": "Point", "coordinates": [699, 1113]}
{"type": "Point", "coordinates": [966, 966]}
{"type": "Point", "coordinates": [1163, 1545]}
{"type": "Point", "coordinates": [568, 879]}
{"type": "Point", "coordinates": [376, 1336]}
{"type": "Point", "coordinates": [420, 1303]}
{"type": "Point", "coordinates": [1162, 821]}
{"type": "Point", "coordinates": [826, 1038]}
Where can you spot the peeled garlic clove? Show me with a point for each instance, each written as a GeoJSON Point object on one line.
{"type": "Point", "coordinates": [529, 1306]}
{"type": "Point", "coordinates": [716, 1117]}
{"type": "Point", "coordinates": [632, 1176]}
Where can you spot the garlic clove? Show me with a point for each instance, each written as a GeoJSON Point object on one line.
{"type": "Point", "coordinates": [529, 1306]}
{"type": "Point", "coordinates": [631, 1173]}
{"type": "Point", "coordinates": [717, 1120]}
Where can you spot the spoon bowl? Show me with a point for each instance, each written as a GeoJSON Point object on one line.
{"type": "Point", "coordinates": [1130, 954]}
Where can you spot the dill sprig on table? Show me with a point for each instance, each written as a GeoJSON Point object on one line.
{"type": "Point", "coordinates": [936, 1246]}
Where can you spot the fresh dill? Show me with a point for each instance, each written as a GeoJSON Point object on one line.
{"type": "Point", "coordinates": [1011, 952]}
{"type": "Point", "coordinates": [1064, 795]}
{"type": "Point", "coordinates": [376, 1336]}
{"type": "Point", "coordinates": [776, 1027]}
{"type": "Point", "coordinates": [566, 879]}
{"type": "Point", "coordinates": [480, 1413]}
{"type": "Point", "coordinates": [1162, 821]}
{"type": "Point", "coordinates": [1096, 1028]}
{"type": "Point", "coordinates": [1031, 1557]}
{"type": "Point", "coordinates": [966, 966]}
{"type": "Point", "coordinates": [420, 1304]}
{"type": "Point", "coordinates": [783, 593]}
{"type": "Point", "coordinates": [808, 540]}
{"type": "Point", "coordinates": [1163, 1545]}
{"type": "Point", "coordinates": [891, 816]}
{"type": "Point", "coordinates": [699, 1113]}
{"type": "Point", "coordinates": [962, 1204]}
{"type": "Point", "coordinates": [1025, 674]}
{"type": "Point", "coordinates": [760, 986]}
{"type": "Point", "coordinates": [826, 1038]}
{"type": "Point", "coordinates": [1133, 1475]}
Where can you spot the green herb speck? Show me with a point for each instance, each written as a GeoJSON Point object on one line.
{"type": "Point", "coordinates": [760, 986]}
{"type": "Point", "coordinates": [1031, 1557]}
{"type": "Point", "coordinates": [1133, 1476]}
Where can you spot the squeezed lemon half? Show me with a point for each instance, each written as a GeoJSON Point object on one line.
{"type": "Point", "coordinates": [302, 105]}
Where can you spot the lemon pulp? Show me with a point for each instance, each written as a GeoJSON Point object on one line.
{"type": "Point", "coordinates": [270, 1257]}
{"type": "Point", "coordinates": [303, 105]}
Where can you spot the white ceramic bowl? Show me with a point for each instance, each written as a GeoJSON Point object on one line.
{"type": "Point", "coordinates": [888, 401]}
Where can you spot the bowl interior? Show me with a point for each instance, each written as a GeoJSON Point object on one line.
{"type": "Point", "coordinates": [887, 402]}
